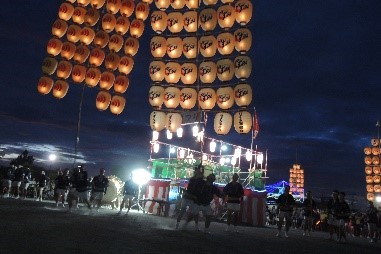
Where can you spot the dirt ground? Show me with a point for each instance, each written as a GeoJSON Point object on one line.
{"type": "Point", "coordinates": [28, 226]}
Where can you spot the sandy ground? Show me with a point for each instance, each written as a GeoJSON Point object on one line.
{"type": "Point", "coordinates": [27, 226]}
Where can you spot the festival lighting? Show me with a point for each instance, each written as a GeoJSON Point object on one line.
{"type": "Point", "coordinates": [179, 132]}
{"type": "Point", "coordinates": [156, 147]}
{"type": "Point", "coordinates": [169, 134]}
{"type": "Point", "coordinates": [155, 135]}
{"type": "Point", "coordinates": [260, 158]}
{"type": "Point", "coordinates": [248, 155]}
{"type": "Point", "coordinates": [212, 146]}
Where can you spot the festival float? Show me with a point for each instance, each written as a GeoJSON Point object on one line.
{"type": "Point", "coordinates": [201, 68]}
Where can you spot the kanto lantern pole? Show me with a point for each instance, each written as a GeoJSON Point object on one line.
{"type": "Point", "coordinates": [78, 125]}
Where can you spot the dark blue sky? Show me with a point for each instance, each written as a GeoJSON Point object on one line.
{"type": "Point", "coordinates": [316, 83]}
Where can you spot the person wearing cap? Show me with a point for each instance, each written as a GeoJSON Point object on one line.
{"type": "Point", "coordinates": [332, 223]}
{"type": "Point", "coordinates": [60, 190]}
{"type": "Point", "coordinates": [286, 203]}
{"type": "Point", "coordinates": [189, 198]}
{"type": "Point", "coordinates": [341, 212]}
{"type": "Point", "coordinates": [233, 193]}
{"type": "Point", "coordinates": [309, 209]}
{"type": "Point", "coordinates": [99, 188]}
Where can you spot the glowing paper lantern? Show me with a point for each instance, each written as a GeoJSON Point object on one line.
{"type": "Point", "coordinates": [158, 46]}
{"type": "Point", "coordinates": [121, 84]}
{"type": "Point", "coordinates": [159, 21]}
{"type": "Point", "coordinates": [81, 54]}
{"type": "Point", "coordinates": [225, 43]}
{"type": "Point", "coordinates": [97, 3]}
{"type": "Point", "coordinates": [59, 28]}
{"type": "Point", "coordinates": [157, 71]}
{"type": "Point", "coordinates": [375, 141]}
{"type": "Point", "coordinates": [242, 67]}
{"type": "Point", "coordinates": [122, 25]}
{"type": "Point", "coordinates": [242, 122]}
{"type": "Point", "coordinates": [188, 73]}
{"type": "Point", "coordinates": [174, 47]}
{"type": "Point", "coordinates": [93, 75]}
{"type": "Point", "coordinates": [208, 19]}
{"type": "Point", "coordinates": [172, 72]}
{"type": "Point", "coordinates": [54, 47]}
{"type": "Point", "coordinates": [73, 33]}
{"type": "Point", "coordinates": [45, 85]}
{"type": "Point", "coordinates": [208, 46]}
{"type": "Point", "coordinates": [171, 97]}
{"type": "Point", "coordinates": [225, 97]}
{"type": "Point", "coordinates": [375, 150]}
{"type": "Point", "coordinates": [60, 89]}
{"type": "Point", "coordinates": [65, 11]}
{"type": "Point", "coordinates": [225, 69]}
{"type": "Point", "coordinates": [207, 98]}
{"type": "Point", "coordinates": [192, 4]}
{"type": "Point", "coordinates": [68, 49]}
{"type": "Point", "coordinates": [227, 1]}
{"type": "Point", "coordinates": [188, 98]}
{"type": "Point", "coordinates": [117, 104]}
{"type": "Point", "coordinates": [222, 123]}
{"type": "Point", "coordinates": [226, 16]}
{"type": "Point", "coordinates": [377, 188]}
{"type": "Point", "coordinates": [64, 69]}
{"type": "Point", "coordinates": [125, 65]}
{"type": "Point", "coordinates": [376, 170]}
{"type": "Point", "coordinates": [142, 11]}
{"type": "Point", "coordinates": [103, 100]}
{"type": "Point", "coordinates": [370, 195]}
{"type": "Point", "coordinates": [190, 49]}
{"type": "Point", "coordinates": [78, 73]}
{"type": "Point", "coordinates": [190, 21]}
{"type": "Point", "coordinates": [97, 57]}
{"type": "Point", "coordinates": [243, 39]}
{"type": "Point", "coordinates": [92, 17]}
{"type": "Point", "coordinates": [376, 160]}
{"type": "Point", "coordinates": [131, 46]}
{"type": "Point", "coordinates": [49, 65]}
{"type": "Point", "coordinates": [177, 4]}
{"type": "Point", "coordinates": [83, 2]}
{"type": "Point", "coordinates": [156, 96]}
{"type": "Point", "coordinates": [173, 121]}
{"type": "Point", "coordinates": [87, 35]}
{"type": "Point", "coordinates": [79, 15]}
{"type": "Point", "coordinates": [157, 120]}
{"type": "Point", "coordinates": [175, 22]}
{"type": "Point", "coordinates": [112, 61]}
{"type": "Point", "coordinates": [101, 39]}
{"type": "Point", "coordinates": [369, 179]}
{"type": "Point", "coordinates": [368, 160]}
{"type": "Point", "coordinates": [244, 11]}
{"type": "Point", "coordinates": [376, 179]}
{"type": "Point", "coordinates": [115, 43]}
{"type": "Point", "coordinates": [127, 8]}
{"type": "Point", "coordinates": [108, 22]}
{"type": "Point", "coordinates": [107, 80]}
{"type": "Point", "coordinates": [136, 28]}
{"type": "Point", "coordinates": [162, 4]}
{"type": "Point", "coordinates": [368, 170]}
{"type": "Point", "coordinates": [113, 6]}
{"type": "Point", "coordinates": [209, 2]}
{"type": "Point", "coordinates": [208, 72]}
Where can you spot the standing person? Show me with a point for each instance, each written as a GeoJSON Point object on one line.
{"type": "Point", "coordinates": [61, 187]}
{"type": "Point", "coordinates": [7, 182]}
{"type": "Point", "coordinates": [207, 193]}
{"type": "Point", "coordinates": [233, 193]}
{"type": "Point", "coordinates": [309, 209]}
{"type": "Point", "coordinates": [79, 188]}
{"type": "Point", "coordinates": [25, 183]}
{"type": "Point", "coordinates": [341, 213]}
{"type": "Point", "coordinates": [372, 221]}
{"type": "Point", "coordinates": [99, 188]}
{"type": "Point", "coordinates": [332, 223]}
{"type": "Point", "coordinates": [286, 203]}
{"type": "Point", "coordinates": [189, 197]}
{"type": "Point", "coordinates": [130, 190]}
{"type": "Point", "coordinates": [41, 183]}
{"type": "Point", "coordinates": [17, 179]}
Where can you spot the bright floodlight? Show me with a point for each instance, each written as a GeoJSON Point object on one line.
{"type": "Point", "coordinates": [224, 148]}
{"type": "Point", "coordinates": [378, 199]}
{"type": "Point", "coordinates": [260, 158]}
{"type": "Point", "coordinates": [155, 135]}
{"type": "Point", "coordinates": [179, 132]}
{"type": "Point", "coordinates": [212, 146]}
{"type": "Point", "coordinates": [52, 157]}
{"type": "Point", "coordinates": [140, 176]}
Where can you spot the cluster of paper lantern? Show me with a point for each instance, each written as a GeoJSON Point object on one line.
{"type": "Point", "coordinates": [297, 179]}
{"type": "Point", "coordinates": [200, 61]}
{"type": "Point", "coordinates": [372, 169]}
{"type": "Point", "coordinates": [94, 42]}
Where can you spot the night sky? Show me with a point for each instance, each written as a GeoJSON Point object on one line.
{"type": "Point", "coordinates": [316, 83]}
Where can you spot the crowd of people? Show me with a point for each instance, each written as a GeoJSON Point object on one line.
{"type": "Point", "coordinates": [336, 218]}
{"type": "Point", "coordinates": [71, 187]}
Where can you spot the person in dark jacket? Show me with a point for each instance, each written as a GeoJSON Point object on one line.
{"type": "Point", "coordinates": [61, 188]}
{"type": "Point", "coordinates": [341, 212]}
{"type": "Point", "coordinates": [286, 203]}
{"type": "Point", "coordinates": [99, 186]}
{"type": "Point", "coordinates": [79, 188]}
{"type": "Point", "coordinates": [309, 210]}
{"type": "Point", "coordinates": [7, 181]}
{"type": "Point", "coordinates": [41, 182]}
{"type": "Point", "coordinates": [130, 189]}
{"type": "Point", "coordinates": [17, 180]}
{"type": "Point", "coordinates": [233, 193]}
{"type": "Point", "coordinates": [372, 220]}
